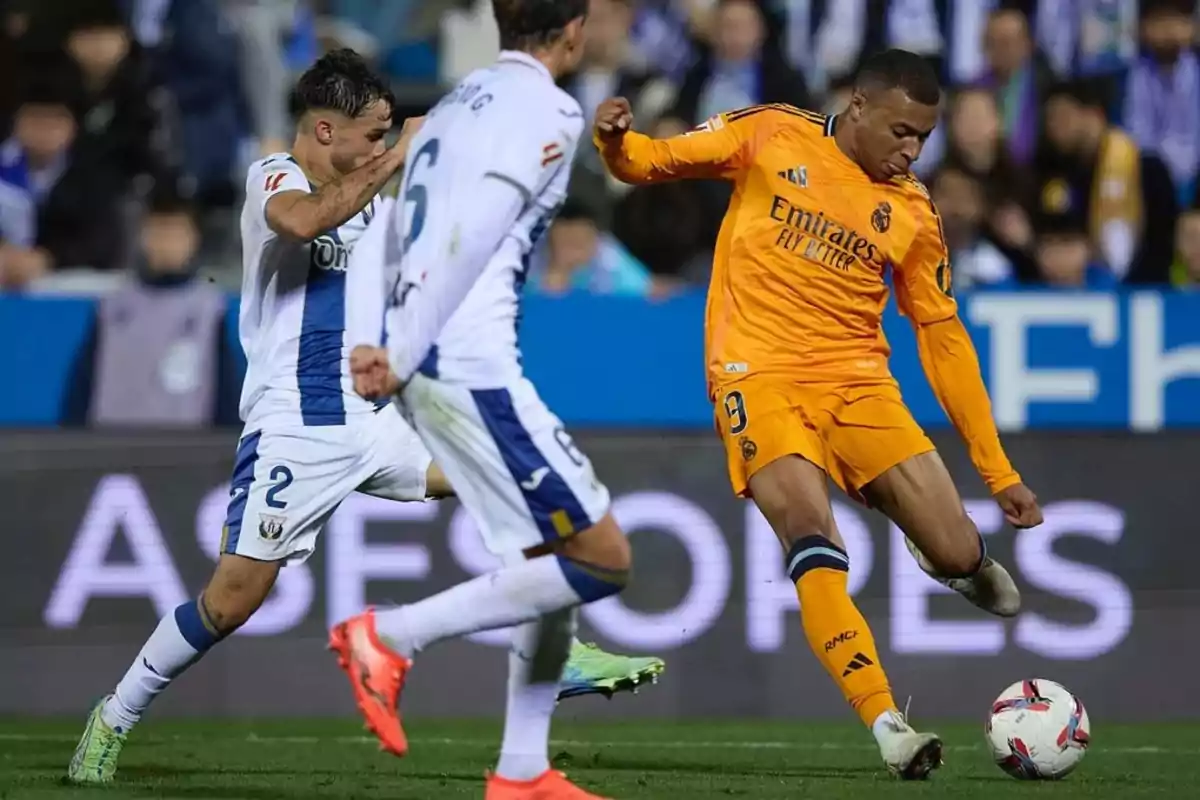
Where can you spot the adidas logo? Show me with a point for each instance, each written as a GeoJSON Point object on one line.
{"type": "Point", "coordinates": [858, 662]}
{"type": "Point", "coordinates": [797, 176]}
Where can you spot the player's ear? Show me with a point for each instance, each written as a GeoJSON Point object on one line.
{"type": "Point", "coordinates": [858, 104]}
{"type": "Point", "coordinates": [573, 34]}
{"type": "Point", "coordinates": [323, 130]}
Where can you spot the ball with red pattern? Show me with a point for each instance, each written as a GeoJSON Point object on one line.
{"type": "Point", "coordinates": [1038, 730]}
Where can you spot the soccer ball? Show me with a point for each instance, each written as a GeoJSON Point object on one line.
{"type": "Point", "coordinates": [1038, 730]}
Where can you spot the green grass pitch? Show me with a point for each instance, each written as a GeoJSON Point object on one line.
{"type": "Point", "coordinates": [682, 760]}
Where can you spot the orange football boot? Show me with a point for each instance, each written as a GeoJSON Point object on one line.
{"type": "Point", "coordinates": [550, 785]}
{"type": "Point", "coordinates": [376, 675]}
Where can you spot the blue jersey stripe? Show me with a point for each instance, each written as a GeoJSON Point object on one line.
{"type": "Point", "coordinates": [322, 336]}
{"type": "Point", "coordinates": [550, 496]}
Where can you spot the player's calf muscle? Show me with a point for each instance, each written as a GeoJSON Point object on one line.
{"type": "Point", "coordinates": [236, 590]}
{"type": "Point", "coordinates": [919, 495]}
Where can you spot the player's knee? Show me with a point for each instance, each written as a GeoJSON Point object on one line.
{"type": "Point", "coordinates": [597, 563]}
{"type": "Point", "coordinates": [964, 558]}
{"type": "Point", "coordinates": [802, 524]}
{"type": "Point", "coordinates": [604, 544]}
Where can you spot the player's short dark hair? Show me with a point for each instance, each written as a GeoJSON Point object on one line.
{"type": "Point", "coordinates": [531, 24]}
{"type": "Point", "coordinates": [342, 81]}
{"type": "Point", "coordinates": [900, 69]}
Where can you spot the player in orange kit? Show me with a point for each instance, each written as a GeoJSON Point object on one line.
{"type": "Point", "coordinates": [823, 207]}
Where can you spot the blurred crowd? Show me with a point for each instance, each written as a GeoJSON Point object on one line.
{"type": "Point", "coordinates": [1067, 155]}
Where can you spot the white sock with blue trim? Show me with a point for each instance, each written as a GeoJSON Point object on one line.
{"type": "Point", "coordinates": [509, 596]}
{"type": "Point", "coordinates": [180, 639]}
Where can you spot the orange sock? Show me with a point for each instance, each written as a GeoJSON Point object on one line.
{"type": "Point", "coordinates": [835, 628]}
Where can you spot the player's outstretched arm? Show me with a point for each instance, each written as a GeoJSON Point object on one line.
{"type": "Point", "coordinates": [306, 215]}
{"type": "Point", "coordinates": [716, 149]}
{"type": "Point", "coordinates": [925, 295]}
{"type": "Point", "coordinates": [952, 367]}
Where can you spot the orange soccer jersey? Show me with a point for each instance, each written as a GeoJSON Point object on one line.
{"type": "Point", "coordinates": [799, 286]}
{"type": "Point", "coordinates": [798, 283]}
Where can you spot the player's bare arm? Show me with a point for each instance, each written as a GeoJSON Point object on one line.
{"type": "Point", "coordinates": [306, 215]}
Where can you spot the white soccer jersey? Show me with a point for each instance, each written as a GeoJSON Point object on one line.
{"type": "Point", "coordinates": [508, 133]}
{"type": "Point", "coordinates": [292, 322]}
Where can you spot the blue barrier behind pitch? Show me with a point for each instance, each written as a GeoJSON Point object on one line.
{"type": "Point", "coordinates": [1051, 359]}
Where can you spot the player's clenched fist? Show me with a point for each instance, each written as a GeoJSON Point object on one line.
{"type": "Point", "coordinates": [399, 151]}
{"type": "Point", "coordinates": [1020, 506]}
{"type": "Point", "coordinates": [372, 374]}
{"type": "Point", "coordinates": [410, 128]}
{"type": "Point", "coordinates": [614, 118]}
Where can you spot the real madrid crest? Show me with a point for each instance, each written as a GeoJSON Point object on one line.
{"type": "Point", "coordinates": [881, 217]}
{"type": "Point", "coordinates": [749, 448]}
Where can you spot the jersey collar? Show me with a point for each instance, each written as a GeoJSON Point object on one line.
{"type": "Point", "coordinates": [524, 59]}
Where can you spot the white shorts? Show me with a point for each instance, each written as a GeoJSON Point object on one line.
{"type": "Point", "coordinates": [510, 461]}
{"type": "Point", "coordinates": [288, 481]}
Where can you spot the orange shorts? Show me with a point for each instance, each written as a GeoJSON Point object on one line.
{"type": "Point", "coordinates": [854, 433]}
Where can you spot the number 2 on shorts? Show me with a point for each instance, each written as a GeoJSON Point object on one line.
{"type": "Point", "coordinates": [735, 409]}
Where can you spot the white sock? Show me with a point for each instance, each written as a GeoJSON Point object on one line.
{"type": "Point", "coordinates": [885, 726]}
{"type": "Point", "coordinates": [509, 596]}
{"type": "Point", "coordinates": [524, 755]}
{"type": "Point", "coordinates": [178, 642]}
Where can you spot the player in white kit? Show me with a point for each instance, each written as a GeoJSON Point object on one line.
{"type": "Point", "coordinates": [309, 440]}
{"type": "Point", "coordinates": [484, 178]}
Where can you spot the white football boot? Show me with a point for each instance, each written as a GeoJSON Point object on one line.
{"type": "Point", "coordinates": [991, 588]}
{"type": "Point", "coordinates": [908, 754]}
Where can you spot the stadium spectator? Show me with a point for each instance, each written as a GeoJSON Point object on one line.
{"type": "Point", "coordinates": [579, 256]}
{"type": "Point", "coordinates": [71, 200]}
{"type": "Point", "coordinates": [198, 62]}
{"type": "Point", "coordinates": [1082, 38]}
{"type": "Point", "coordinates": [976, 147]}
{"type": "Point", "coordinates": [1185, 272]}
{"type": "Point", "coordinates": [1064, 254]}
{"type": "Point", "coordinates": [1162, 93]}
{"type": "Point", "coordinates": [961, 200]}
{"type": "Point", "coordinates": [737, 70]}
{"type": "Point", "coordinates": [608, 70]}
{"type": "Point", "coordinates": [158, 354]}
{"type": "Point", "coordinates": [666, 34]}
{"type": "Point", "coordinates": [121, 119]}
{"type": "Point", "coordinates": [827, 41]}
{"type": "Point", "coordinates": [1019, 74]}
{"type": "Point", "coordinates": [262, 28]}
{"type": "Point", "coordinates": [1094, 170]}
